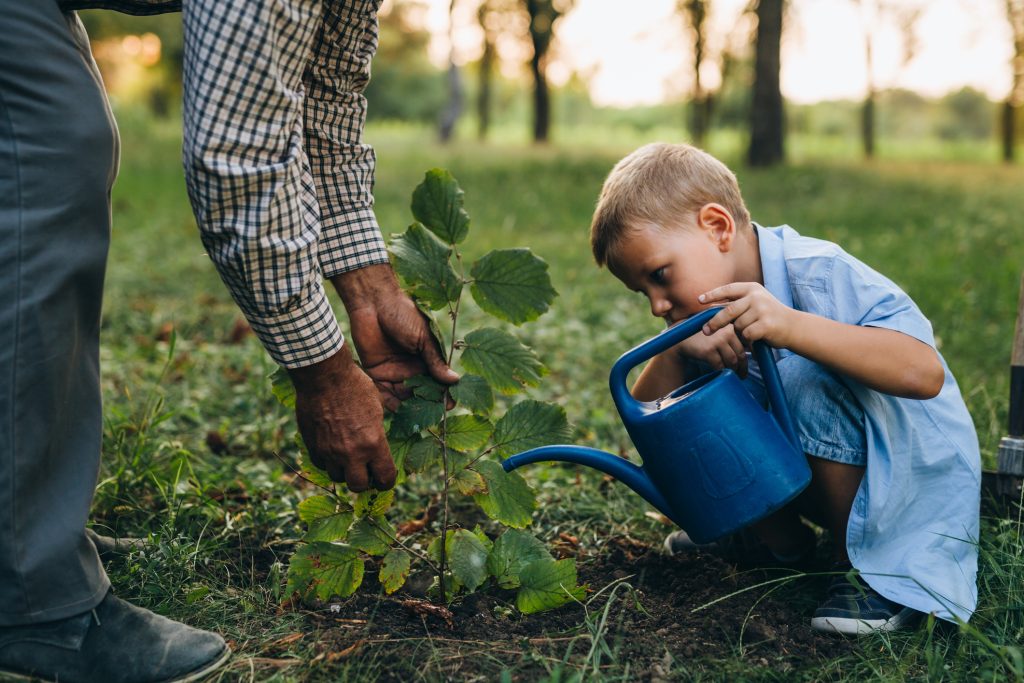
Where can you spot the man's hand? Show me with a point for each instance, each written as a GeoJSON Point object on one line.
{"type": "Point", "coordinates": [752, 311]}
{"type": "Point", "coordinates": [722, 349]}
{"type": "Point", "coordinates": [391, 336]}
{"type": "Point", "coordinates": [342, 424]}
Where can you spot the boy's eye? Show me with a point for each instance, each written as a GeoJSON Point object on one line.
{"type": "Point", "coordinates": [658, 276]}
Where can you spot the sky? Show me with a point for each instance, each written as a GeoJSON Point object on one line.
{"type": "Point", "coordinates": [643, 56]}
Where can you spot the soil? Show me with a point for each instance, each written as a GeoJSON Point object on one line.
{"type": "Point", "coordinates": [766, 626]}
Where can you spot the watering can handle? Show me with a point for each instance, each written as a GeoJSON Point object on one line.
{"type": "Point", "coordinates": [683, 330]}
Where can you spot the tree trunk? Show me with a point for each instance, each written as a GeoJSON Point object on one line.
{"type": "Point", "coordinates": [452, 111]}
{"type": "Point", "coordinates": [767, 116]}
{"type": "Point", "coordinates": [1009, 131]}
{"type": "Point", "coordinates": [867, 125]}
{"type": "Point", "coordinates": [541, 100]}
{"type": "Point", "coordinates": [483, 98]}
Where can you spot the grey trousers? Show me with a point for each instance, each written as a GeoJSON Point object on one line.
{"type": "Point", "coordinates": [58, 159]}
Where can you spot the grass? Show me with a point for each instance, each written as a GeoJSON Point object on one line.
{"type": "Point", "coordinates": [192, 431]}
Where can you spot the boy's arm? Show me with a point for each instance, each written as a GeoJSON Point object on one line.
{"type": "Point", "coordinates": [668, 371]}
{"type": "Point", "coordinates": [662, 374]}
{"type": "Point", "coordinates": [881, 359]}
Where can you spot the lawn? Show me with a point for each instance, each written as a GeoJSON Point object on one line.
{"type": "Point", "coordinates": [194, 442]}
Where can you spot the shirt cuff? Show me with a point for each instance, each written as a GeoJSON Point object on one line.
{"type": "Point", "coordinates": [304, 335]}
{"type": "Point", "coordinates": [349, 240]}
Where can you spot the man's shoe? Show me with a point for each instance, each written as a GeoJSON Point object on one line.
{"type": "Point", "coordinates": [745, 548]}
{"type": "Point", "coordinates": [114, 643]}
{"type": "Point", "coordinates": [854, 608]}
{"type": "Point", "coordinates": [109, 547]}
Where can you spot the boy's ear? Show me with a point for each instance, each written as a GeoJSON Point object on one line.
{"type": "Point", "coordinates": [719, 224]}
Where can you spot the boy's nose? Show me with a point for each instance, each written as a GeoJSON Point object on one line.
{"type": "Point", "coordinates": [660, 307]}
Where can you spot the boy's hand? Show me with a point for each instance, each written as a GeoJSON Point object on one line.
{"type": "Point", "coordinates": [722, 349]}
{"type": "Point", "coordinates": [752, 311]}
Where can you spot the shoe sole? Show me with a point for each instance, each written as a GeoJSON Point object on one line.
{"type": "Point", "coordinates": [848, 626]}
{"type": "Point", "coordinates": [196, 675]}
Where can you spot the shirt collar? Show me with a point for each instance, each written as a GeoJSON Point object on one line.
{"type": "Point", "coordinates": [773, 264]}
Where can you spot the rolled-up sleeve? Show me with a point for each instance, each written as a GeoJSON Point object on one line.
{"type": "Point", "coordinates": [335, 111]}
{"type": "Point", "coordinates": [246, 169]}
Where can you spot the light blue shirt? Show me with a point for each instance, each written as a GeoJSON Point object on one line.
{"type": "Point", "coordinates": [913, 530]}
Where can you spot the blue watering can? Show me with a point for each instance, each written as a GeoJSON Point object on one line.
{"type": "Point", "coordinates": [715, 461]}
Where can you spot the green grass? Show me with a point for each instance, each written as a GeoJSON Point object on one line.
{"type": "Point", "coordinates": [222, 524]}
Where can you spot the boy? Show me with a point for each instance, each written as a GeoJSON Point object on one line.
{"type": "Point", "coordinates": [893, 452]}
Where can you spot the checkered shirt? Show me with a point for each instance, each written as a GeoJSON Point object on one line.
{"type": "Point", "coordinates": [279, 178]}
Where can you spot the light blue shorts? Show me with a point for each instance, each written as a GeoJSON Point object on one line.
{"type": "Point", "coordinates": [829, 418]}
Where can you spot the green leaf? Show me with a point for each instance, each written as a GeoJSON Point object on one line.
{"type": "Point", "coordinates": [373, 503]}
{"type": "Point", "coordinates": [473, 393]}
{"type": "Point", "coordinates": [512, 552]}
{"type": "Point", "coordinates": [437, 204]}
{"type": "Point", "coordinates": [394, 570]}
{"type": "Point", "coordinates": [422, 454]}
{"type": "Point", "coordinates": [530, 424]}
{"type": "Point", "coordinates": [282, 387]}
{"type": "Point", "coordinates": [370, 536]}
{"type": "Point", "coordinates": [426, 387]}
{"type": "Point", "coordinates": [327, 517]}
{"type": "Point", "coordinates": [415, 415]}
{"type": "Point", "coordinates": [502, 360]}
{"type": "Point", "coordinates": [508, 499]}
{"type": "Point", "coordinates": [468, 559]}
{"type": "Point", "coordinates": [310, 471]}
{"type": "Point", "coordinates": [325, 570]}
{"type": "Point", "coordinates": [466, 432]}
{"type": "Point", "coordinates": [469, 482]}
{"type": "Point", "coordinates": [512, 284]}
{"type": "Point", "coordinates": [422, 262]}
{"type": "Point", "coordinates": [546, 584]}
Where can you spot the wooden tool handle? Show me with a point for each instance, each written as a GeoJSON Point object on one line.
{"type": "Point", "coordinates": [1017, 371]}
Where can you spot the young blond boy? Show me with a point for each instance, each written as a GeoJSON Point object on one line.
{"type": "Point", "coordinates": [893, 452]}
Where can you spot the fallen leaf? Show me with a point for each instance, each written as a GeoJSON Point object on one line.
{"type": "Point", "coordinates": [423, 608]}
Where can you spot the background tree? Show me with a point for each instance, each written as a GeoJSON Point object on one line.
{"type": "Point", "coordinates": [1015, 14]}
{"type": "Point", "coordinates": [767, 122]}
{"type": "Point", "coordinates": [453, 109]}
{"type": "Point", "coordinates": [486, 69]}
{"type": "Point", "coordinates": [405, 86]}
{"type": "Point", "coordinates": [542, 14]}
{"type": "Point", "coordinates": [696, 13]}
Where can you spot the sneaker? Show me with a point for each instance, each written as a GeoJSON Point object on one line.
{"type": "Point", "coordinates": [114, 643]}
{"type": "Point", "coordinates": [743, 547]}
{"type": "Point", "coordinates": [854, 608]}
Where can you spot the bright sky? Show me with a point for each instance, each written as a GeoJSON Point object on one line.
{"type": "Point", "coordinates": [642, 56]}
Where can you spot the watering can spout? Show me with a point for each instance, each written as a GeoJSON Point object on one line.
{"type": "Point", "coordinates": [629, 474]}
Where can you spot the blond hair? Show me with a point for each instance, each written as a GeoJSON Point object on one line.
{"type": "Point", "coordinates": [659, 184]}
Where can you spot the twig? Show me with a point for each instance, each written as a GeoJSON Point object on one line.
{"type": "Point", "coordinates": [298, 473]}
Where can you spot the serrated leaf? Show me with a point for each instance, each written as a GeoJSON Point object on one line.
{"type": "Point", "coordinates": [437, 204]}
{"type": "Point", "coordinates": [394, 570]}
{"type": "Point", "coordinates": [508, 499]}
{"type": "Point", "coordinates": [422, 454]}
{"type": "Point", "coordinates": [501, 360]}
{"type": "Point", "coordinates": [512, 284]}
{"type": "Point", "coordinates": [421, 260]}
{"type": "Point", "coordinates": [399, 452]}
{"type": "Point", "coordinates": [473, 393]}
{"type": "Point", "coordinates": [415, 415]}
{"type": "Point", "coordinates": [466, 432]}
{"type": "Point", "coordinates": [310, 471]}
{"type": "Point", "coordinates": [488, 543]}
{"type": "Point", "coordinates": [469, 482]}
{"type": "Point", "coordinates": [425, 387]}
{"type": "Point", "coordinates": [530, 424]}
{"type": "Point", "coordinates": [468, 559]}
{"type": "Point", "coordinates": [328, 519]}
{"type": "Point", "coordinates": [512, 552]}
{"type": "Point", "coordinates": [371, 535]}
{"type": "Point", "coordinates": [282, 387]}
{"type": "Point", "coordinates": [373, 503]}
{"type": "Point", "coordinates": [325, 570]}
{"type": "Point", "coordinates": [546, 584]}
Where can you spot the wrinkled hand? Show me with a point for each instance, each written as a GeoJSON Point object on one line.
{"type": "Point", "coordinates": [723, 349]}
{"type": "Point", "coordinates": [752, 311]}
{"type": "Point", "coordinates": [391, 336]}
{"type": "Point", "coordinates": [342, 424]}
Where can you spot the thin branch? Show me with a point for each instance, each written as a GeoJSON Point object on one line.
{"type": "Point", "coordinates": [298, 473]}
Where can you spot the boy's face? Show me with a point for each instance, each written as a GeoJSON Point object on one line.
{"type": "Point", "coordinates": [672, 266]}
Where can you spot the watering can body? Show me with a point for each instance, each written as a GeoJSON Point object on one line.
{"type": "Point", "coordinates": [714, 460]}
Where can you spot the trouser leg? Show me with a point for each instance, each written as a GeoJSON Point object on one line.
{"type": "Point", "coordinates": [58, 159]}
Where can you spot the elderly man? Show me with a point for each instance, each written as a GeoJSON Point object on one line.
{"type": "Point", "coordinates": [280, 183]}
